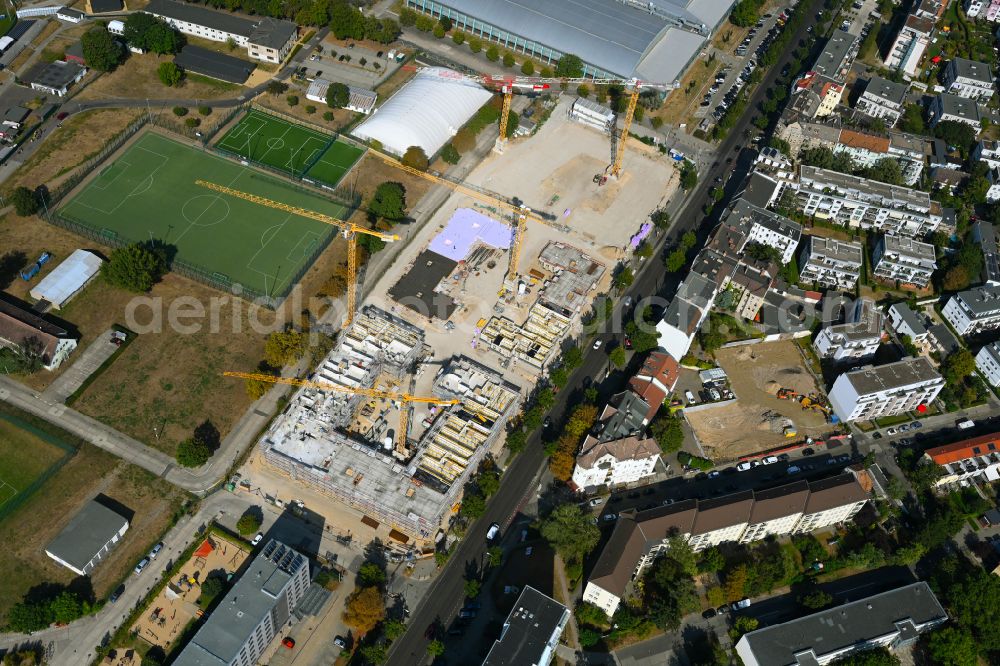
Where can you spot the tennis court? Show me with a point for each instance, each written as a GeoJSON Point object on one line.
{"type": "Point", "coordinates": [290, 147]}
{"type": "Point", "coordinates": [149, 193]}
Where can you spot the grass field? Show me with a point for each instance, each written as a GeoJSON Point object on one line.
{"type": "Point", "coordinates": [24, 456]}
{"type": "Point", "coordinates": [294, 149]}
{"type": "Point", "coordinates": [149, 192]}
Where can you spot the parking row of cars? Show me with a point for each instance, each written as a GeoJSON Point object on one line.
{"type": "Point", "coordinates": [751, 65]}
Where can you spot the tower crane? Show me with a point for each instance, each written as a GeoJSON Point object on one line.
{"type": "Point", "coordinates": [507, 84]}
{"type": "Point", "coordinates": [350, 231]}
{"type": "Point", "coordinates": [403, 398]}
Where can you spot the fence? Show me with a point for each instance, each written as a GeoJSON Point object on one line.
{"type": "Point", "coordinates": [209, 135]}
{"type": "Point", "coordinates": [292, 119]}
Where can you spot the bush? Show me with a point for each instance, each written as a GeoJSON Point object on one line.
{"type": "Point", "coordinates": [328, 116]}
{"type": "Point", "coordinates": [192, 122]}
{"type": "Point", "coordinates": [277, 88]}
{"type": "Point", "coordinates": [493, 53]}
{"type": "Point", "coordinates": [192, 453]}
{"type": "Point", "coordinates": [292, 100]}
{"type": "Point", "coordinates": [416, 158]}
{"type": "Point", "coordinates": [26, 202]}
{"type": "Point", "coordinates": [439, 31]}
{"type": "Point", "coordinates": [508, 59]}
{"type": "Point", "coordinates": [310, 109]}
{"type": "Point", "coordinates": [249, 522]}
{"type": "Point", "coordinates": [583, 90]}
{"type": "Point", "coordinates": [475, 44]}
{"type": "Point", "coordinates": [205, 110]}
{"type": "Point", "coordinates": [450, 155]}
{"type": "Point", "coordinates": [180, 111]}
{"type": "Point", "coordinates": [458, 37]}
{"type": "Point", "coordinates": [528, 68]}
{"type": "Point", "coordinates": [170, 74]}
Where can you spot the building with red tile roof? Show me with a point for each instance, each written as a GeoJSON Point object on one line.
{"type": "Point", "coordinates": [976, 458]}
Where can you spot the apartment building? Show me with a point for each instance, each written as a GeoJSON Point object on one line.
{"type": "Point", "coordinates": [864, 148]}
{"type": "Point", "coordinates": [882, 99]}
{"type": "Point", "coordinates": [974, 310]}
{"type": "Point", "coordinates": [904, 260]}
{"type": "Point", "coordinates": [988, 363]}
{"type": "Point", "coordinates": [969, 79]}
{"type": "Point", "coordinates": [620, 461]}
{"type": "Point", "coordinates": [987, 151]}
{"type": "Point", "coordinates": [254, 611]}
{"type": "Point", "coordinates": [685, 314]}
{"type": "Point", "coordinates": [766, 227]}
{"type": "Point", "coordinates": [531, 632]}
{"type": "Point", "coordinates": [266, 39]}
{"type": "Point", "coordinates": [905, 321]}
{"type": "Point", "coordinates": [815, 95]}
{"type": "Point", "coordinates": [639, 537]}
{"type": "Point", "coordinates": [868, 204]}
{"type": "Point", "coordinates": [890, 619]}
{"type": "Point", "coordinates": [831, 263]}
{"type": "Point", "coordinates": [887, 390]}
{"type": "Point", "coordinates": [958, 109]}
{"type": "Point", "coordinates": [857, 339]}
{"type": "Point", "coordinates": [985, 236]}
{"type": "Point", "coordinates": [835, 61]}
{"type": "Point", "coordinates": [977, 458]}
{"type": "Point", "coordinates": [910, 44]}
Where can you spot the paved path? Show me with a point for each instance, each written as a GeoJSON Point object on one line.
{"type": "Point", "coordinates": [87, 362]}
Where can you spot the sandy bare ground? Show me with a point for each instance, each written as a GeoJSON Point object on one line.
{"type": "Point", "coordinates": [755, 421]}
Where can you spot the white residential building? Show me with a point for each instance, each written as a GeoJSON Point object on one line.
{"type": "Point", "coordinates": [890, 619]}
{"type": "Point", "coordinates": [886, 390]}
{"type": "Point", "coordinates": [685, 313]}
{"type": "Point", "coordinates": [969, 79]}
{"type": "Point", "coordinates": [639, 537]}
{"type": "Point", "coordinates": [904, 260]}
{"type": "Point", "coordinates": [883, 99]}
{"type": "Point", "coordinates": [973, 8]}
{"type": "Point", "coordinates": [868, 204]}
{"type": "Point", "coordinates": [264, 38]}
{"type": "Point", "coordinates": [767, 228]}
{"type": "Point", "coordinates": [987, 151]}
{"type": "Point", "coordinates": [974, 310]}
{"type": "Point", "coordinates": [909, 46]}
{"type": "Point", "coordinates": [905, 321]}
{"type": "Point", "coordinates": [985, 236]}
{"type": "Point", "coordinates": [993, 193]}
{"type": "Point", "coordinates": [969, 459]}
{"type": "Point", "coordinates": [857, 339]}
{"type": "Point", "coordinates": [958, 109]}
{"type": "Point", "coordinates": [988, 362]}
{"type": "Point", "coordinates": [614, 463]}
{"type": "Point", "coordinates": [829, 262]}
{"type": "Point", "coordinates": [531, 633]}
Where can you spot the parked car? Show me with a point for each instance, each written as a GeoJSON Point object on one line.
{"type": "Point", "coordinates": [597, 344]}
{"type": "Point", "coordinates": [890, 431]}
{"type": "Point", "coordinates": [904, 428]}
{"type": "Point", "coordinates": [492, 533]}
{"type": "Point", "coordinates": [808, 452]}
{"type": "Point", "coordinates": [116, 594]}
{"type": "Point", "coordinates": [742, 603]}
{"type": "Point", "coordinates": [794, 470]}
{"type": "Point", "coordinates": [142, 565]}
{"type": "Point", "coordinates": [594, 502]}
{"type": "Point", "coordinates": [257, 539]}
{"type": "Point", "coordinates": [155, 551]}
{"type": "Point", "coordinates": [744, 466]}
{"type": "Point", "coordinates": [770, 460]}
{"type": "Point", "coordinates": [467, 614]}
{"type": "Point", "coordinates": [608, 517]}
{"type": "Point", "coordinates": [708, 614]}
{"type": "Point", "coordinates": [916, 424]}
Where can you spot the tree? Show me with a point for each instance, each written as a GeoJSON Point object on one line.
{"type": "Point", "coordinates": [956, 134]}
{"type": "Point", "coordinates": [816, 599]}
{"type": "Point", "coordinates": [676, 260]}
{"type": "Point", "coordinates": [284, 347]}
{"type": "Point", "coordinates": [415, 158]}
{"type": "Point", "coordinates": [370, 574]}
{"type": "Point", "coordinates": [374, 653]}
{"type": "Point", "coordinates": [364, 609]}
{"type": "Point", "coordinates": [66, 607]}
{"type": "Point", "coordinates": [25, 201]}
{"type": "Point", "coordinates": [135, 267]}
{"type": "Point", "coordinates": [617, 357]}
{"type": "Point", "coordinates": [472, 587]}
{"type": "Point", "coordinates": [449, 154]}
{"type": "Point", "coordinates": [192, 453]}
{"type": "Point", "coordinates": [388, 202]}
{"type": "Point", "coordinates": [592, 614]}
{"type": "Point", "coordinates": [736, 582]}
{"type": "Point", "coordinates": [958, 365]}
{"type": "Point", "coordinates": [951, 646]}
{"type": "Point", "coordinates": [660, 218]}
{"type": "Point", "coordinates": [489, 483]}
{"type": "Point", "coordinates": [667, 431]}
{"type": "Point", "coordinates": [27, 617]}
{"type": "Point", "coordinates": [338, 95]}
{"type": "Point", "coordinates": [101, 51]}
{"type": "Point", "coordinates": [508, 59]}
{"type": "Point", "coordinates": [273, 87]}
{"type": "Point", "coordinates": [493, 53]}
{"type": "Point", "coordinates": [689, 176]}
{"type": "Point", "coordinates": [711, 560]}
{"type": "Point", "coordinates": [623, 278]}
{"type": "Point", "coordinates": [955, 279]}
{"type": "Point", "coordinates": [494, 556]}
{"type": "Point", "coordinates": [570, 532]}
{"type": "Point", "coordinates": [745, 14]}
{"type": "Point", "coordinates": [256, 388]}
{"type": "Point", "coordinates": [393, 629]}
{"type": "Point", "coordinates": [473, 506]}
{"type": "Point", "coordinates": [569, 67]}
{"type": "Point", "coordinates": [347, 22]}
{"type": "Point", "coordinates": [170, 74]}
{"type": "Point", "coordinates": [210, 589]}
{"type": "Point", "coordinates": [877, 657]}
{"type": "Point", "coordinates": [589, 637]}
{"type": "Point", "coordinates": [292, 100]}
{"type": "Point", "coordinates": [528, 68]}
{"type": "Point", "coordinates": [886, 170]}
{"type": "Point", "coordinates": [23, 359]}
{"type": "Point", "coordinates": [435, 648]}
{"type": "Point", "coordinates": [149, 33]}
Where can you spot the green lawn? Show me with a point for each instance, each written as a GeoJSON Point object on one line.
{"type": "Point", "coordinates": [331, 167]}
{"type": "Point", "coordinates": [25, 455]}
{"type": "Point", "coordinates": [149, 192]}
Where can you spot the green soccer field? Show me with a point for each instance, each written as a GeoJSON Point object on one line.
{"type": "Point", "coordinates": [149, 192]}
{"type": "Point", "coordinates": [294, 149]}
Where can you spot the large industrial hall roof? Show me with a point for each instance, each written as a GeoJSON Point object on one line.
{"type": "Point", "coordinates": [426, 112]}
{"type": "Point", "coordinates": [621, 39]}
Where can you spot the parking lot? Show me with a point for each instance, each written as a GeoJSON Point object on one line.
{"type": "Point", "coordinates": [734, 75]}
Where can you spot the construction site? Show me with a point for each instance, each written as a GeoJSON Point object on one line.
{"type": "Point", "coordinates": [777, 402]}
{"type": "Point", "coordinates": [371, 430]}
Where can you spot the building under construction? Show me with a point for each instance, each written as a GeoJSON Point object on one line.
{"type": "Point", "coordinates": [414, 497]}
{"type": "Point", "coordinates": [573, 275]}
{"type": "Point", "coordinates": [531, 342]}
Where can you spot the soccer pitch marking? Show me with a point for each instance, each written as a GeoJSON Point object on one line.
{"type": "Point", "coordinates": [7, 492]}
{"type": "Point", "coordinates": [141, 187]}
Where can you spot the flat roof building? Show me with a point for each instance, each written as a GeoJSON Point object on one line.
{"type": "Point", "coordinates": [974, 310]}
{"type": "Point", "coordinates": [214, 64]}
{"type": "Point", "coordinates": [253, 612]}
{"type": "Point", "coordinates": [891, 619]}
{"type": "Point", "coordinates": [886, 390]}
{"type": "Point", "coordinates": [68, 278]}
{"type": "Point", "coordinates": [55, 78]}
{"type": "Point", "coordinates": [87, 538]}
{"type": "Point", "coordinates": [958, 109]}
{"type": "Point", "coordinates": [905, 321]}
{"type": "Point", "coordinates": [970, 79]}
{"type": "Point", "coordinates": [855, 340]}
{"type": "Point", "coordinates": [531, 633]}
{"type": "Point", "coordinates": [904, 260]}
{"type": "Point", "coordinates": [830, 262]}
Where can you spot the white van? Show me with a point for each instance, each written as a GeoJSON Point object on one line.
{"type": "Point", "coordinates": [492, 533]}
{"type": "Point", "coordinates": [690, 398]}
{"type": "Point", "coordinates": [965, 424]}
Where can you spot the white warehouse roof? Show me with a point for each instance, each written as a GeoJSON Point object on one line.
{"type": "Point", "coordinates": [426, 112]}
{"type": "Point", "coordinates": [68, 278]}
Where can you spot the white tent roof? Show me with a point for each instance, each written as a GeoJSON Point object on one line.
{"type": "Point", "coordinates": [68, 278]}
{"type": "Point", "coordinates": [426, 112]}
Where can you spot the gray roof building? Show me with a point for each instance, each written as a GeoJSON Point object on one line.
{"type": "Point", "coordinates": [87, 538]}
{"type": "Point", "coordinates": [888, 90]}
{"type": "Point", "coordinates": [55, 77]}
{"type": "Point", "coordinates": [985, 235]}
{"type": "Point", "coordinates": [760, 190]}
{"type": "Point", "coordinates": [970, 69]}
{"type": "Point", "coordinates": [891, 619]}
{"type": "Point", "coordinates": [214, 64]}
{"type": "Point", "coordinates": [653, 41]}
{"type": "Point", "coordinates": [626, 414]}
{"type": "Point", "coordinates": [531, 633]}
{"type": "Point", "coordinates": [838, 54]}
{"type": "Point", "coordinates": [198, 15]}
{"type": "Point", "coordinates": [272, 33]}
{"type": "Point", "coordinates": [253, 611]}
{"type": "Point", "coordinates": [907, 322]}
{"type": "Point", "coordinates": [952, 107]}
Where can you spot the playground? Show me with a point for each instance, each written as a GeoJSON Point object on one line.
{"type": "Point", "coordinates": [148, 193]}
{"type": "Point", "coordinates": [289, 147]}
{"type": "Point", "coordinates": [177, 604]}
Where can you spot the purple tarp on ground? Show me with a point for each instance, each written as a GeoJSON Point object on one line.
{"type": "Point", "coordinates": [466, 227]}
{"type": "Point", "coordinates": [641, 236]}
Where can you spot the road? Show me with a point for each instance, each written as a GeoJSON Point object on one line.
{"type": "Point", "coordinates": [447, 593]}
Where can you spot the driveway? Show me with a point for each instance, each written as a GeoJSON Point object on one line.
{"type": "Point", "coordinates": [86, 364]}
